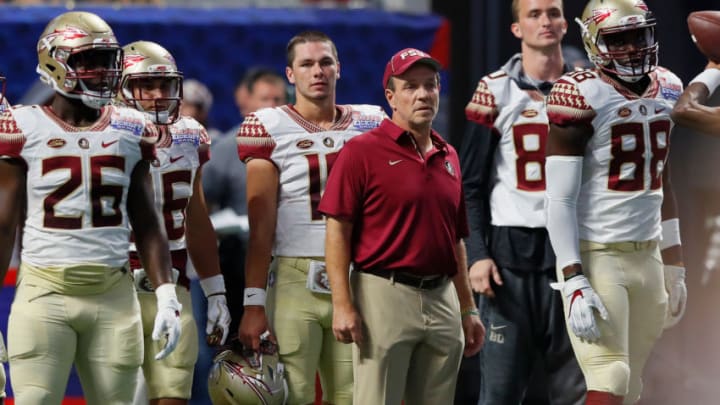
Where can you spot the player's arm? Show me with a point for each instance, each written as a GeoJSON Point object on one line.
{"type": "Point", "coordinates": [12, 191]}
{"type": "Point", "coordinates": [152, 246]}
{"type": "Point", "coordinates": [202, 248]}
{"type": "Point", "coordinates": [262, 187]}
{"type": "Point", "coordinates": [347, 323]}
{"type": "Point", "coordinates": [150, 239]}
{"type": "Point", "coordinates": [671, 250]}
{"type": "Point", "coordinates": [563, 169]}
{"type": "Point", "coordinates": [472, 326]}
{"type": "Point", "coordinates": [691, 110]}
{"type": "Point", "coordinates": [476, 157]}
{"type": "Point", "coordinates": [670, 246]}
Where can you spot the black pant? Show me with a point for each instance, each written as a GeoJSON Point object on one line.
{"type": "Point", "coordinates": [526, 331]}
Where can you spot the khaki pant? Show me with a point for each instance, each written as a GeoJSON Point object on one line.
{"type": "Point", "coordinates": [100, 333]}
{"type": "Point", "coordinates": [413, 342]}
{"type": "Point", "coordinates": [172, 376]}
{"type": "Point", "coordinates": [302, 323]}
{"type": "Point", "coordinates": [628, 278]}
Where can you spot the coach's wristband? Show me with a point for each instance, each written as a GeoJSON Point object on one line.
{"type": "Point", "coordinates": [710, 78]}
{"type": "Point", "coordinates": [254, 296]}
{"type": "Point", "coordinates": [670, 232]}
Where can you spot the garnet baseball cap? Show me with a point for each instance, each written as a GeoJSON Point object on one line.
{"type": "Point", "coordinates": [403, 60]}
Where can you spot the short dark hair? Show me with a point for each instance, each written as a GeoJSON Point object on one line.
{"type": "Point", "coordinates": [260, 74]}
{"type": "Point", "coordinates": [305, 37]}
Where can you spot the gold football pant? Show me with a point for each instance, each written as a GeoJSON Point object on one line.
{"type": "Point", "coordinates": [628, 278]}
{"type": "Point", "coordinates": [100, 333]}
{"type": "Point", "coordinates": [302, 323]}
{"type": "Point", "coordinates": [172, 376]}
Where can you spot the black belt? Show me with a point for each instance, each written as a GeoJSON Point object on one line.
{"type": "Point", "coordinates": [423, 283]}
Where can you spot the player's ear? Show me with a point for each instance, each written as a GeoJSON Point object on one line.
{"type": "Point", "coordinates": [337, 75]}
{"type": "Point", "coordinates": [515, 29]}
{"type": "Point", "coordinates": [289, 74]}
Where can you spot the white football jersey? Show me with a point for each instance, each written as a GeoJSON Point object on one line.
{"type": "Point", "coordinates": [77, 182]}
{"type": "Point", "coordinates": [518, 117]}
{"type": "Point", "coordinates": [303, 154]}
{"type": "Point", "coordinates": [621, 193]}
{"type": "Point", "coordinates": [173, 173]}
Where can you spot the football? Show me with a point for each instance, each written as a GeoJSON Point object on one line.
{"type": "Point", "coordinates": [705, 30]}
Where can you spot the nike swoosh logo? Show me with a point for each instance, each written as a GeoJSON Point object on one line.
{"type": "Point", "coordinates": [251, 295]}
{"type": "Point", "coordinates": [394, 162]}
{"type": "Point", "coordinates": [659, 110]}
{"type": "Point", "coordinates": [174, 159]}
{"type": "Point", "coordinates": [106, 144]}
{"type": "Point", "coordinates": [493, 327]}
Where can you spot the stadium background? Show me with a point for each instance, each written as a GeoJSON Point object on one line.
{"type": "Point", "coordinates": [216, 44]}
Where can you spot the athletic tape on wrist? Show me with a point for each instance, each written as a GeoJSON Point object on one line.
{"type": "Point", "coordinates": [254, 296]}
{"type": "Point", "coordinates": [710, 78]}
{"type": "Point", "coordinates": [213, 285]}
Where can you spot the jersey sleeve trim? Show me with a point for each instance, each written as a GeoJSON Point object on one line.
{"type": "Point", "coordinates": [12, 139]}
{"type": "Point", "coordinates": [253, 140]}
{"type": "Point", "coordinates": [482, 108]}
{"type": "Point", "coordinates": [567, 106]}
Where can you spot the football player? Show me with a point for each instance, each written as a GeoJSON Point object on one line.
{"type": "Point", "coordinates": [152, 84]}
{"type": "Point", "coordinates": [511, 260]}
{"type": "Point", "coordinates": [79, 168]}
{"type": "Point", "coordinates": [609, 224]}
{"type": "Point", "coordinates": [691, 110]}
{"type": "Point", "coordinates": [289, 151]}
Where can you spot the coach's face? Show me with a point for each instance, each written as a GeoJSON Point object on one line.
{"type": "Point", "coordinates": [314, 70]}
{"type": "Point", "coordinates": [414, 96]}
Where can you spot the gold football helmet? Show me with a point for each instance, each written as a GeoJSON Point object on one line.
{"type": "Point", "coordinates": [245, 377]}
{"type": "Point", "coordinates": [80, 58]}
{"type": "Point", "coordinates": [151, 82]}
{"type": "Point", "coordinates": [603, 20]}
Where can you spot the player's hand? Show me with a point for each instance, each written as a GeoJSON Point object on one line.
{"type": "Point", "coordinates": [480, 274]}
{"type": "Point", "coordinates": [474, 331]}
{"type": "Point", "coordinates": [218, 320]}
{"type": "Point", "coordinates": [582, 301]}
{"type": "Point", "coordinates": [218, 315]}
{"type": "Point", "coordinates": [677, 294]}
{"type": "Point", "coordinates": [167, 320]}
{"type": "Point", "coordinates": [254, 324]}
{"type": "Point", "coordinates": [347, 325]}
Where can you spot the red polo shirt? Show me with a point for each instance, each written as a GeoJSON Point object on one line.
{"type": "Point", "coordinates": [407, 213]}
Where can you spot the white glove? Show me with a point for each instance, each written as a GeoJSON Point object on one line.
{"type": "Point", "coordinates": [677, 294]}
{"type": "Point", "coordinates": [167, 320]}
{"type": "Point", "coordinates": [218, 315]}
{"type": "Point", "coordinates": [581, 299]}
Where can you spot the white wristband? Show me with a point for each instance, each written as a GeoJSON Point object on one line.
{"type": "Point", "coordinates": [254, 296]}
{"type": "Point", "coordinates": [165, 293]}
{"type": "Point", "coordinates": [213, 285]}
{"type": "Point", "coordinates": [710, 78]}
{"type": "Point", "coordinates": [670, 233]}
